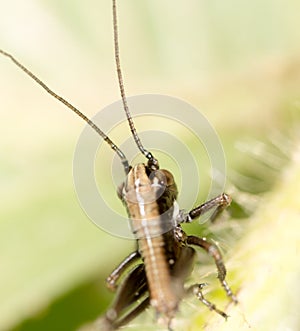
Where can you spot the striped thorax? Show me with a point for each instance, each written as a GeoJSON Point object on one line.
{"type": "Point", "coordinates": [150, 198]}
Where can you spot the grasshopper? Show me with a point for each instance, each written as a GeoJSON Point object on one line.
{"type": "Point", "coordinates": [154, 274]}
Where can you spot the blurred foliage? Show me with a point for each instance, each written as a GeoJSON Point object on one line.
{"type": "Point", "coordinates": [238, 62]}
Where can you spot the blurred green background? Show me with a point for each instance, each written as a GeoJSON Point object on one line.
{"type": "Point", "coordinates": [236, 61]}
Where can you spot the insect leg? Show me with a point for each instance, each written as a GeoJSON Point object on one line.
{"type": "Point", "coordinates": [134, 288]}
{"type": "Point", "coordinates": [125, 307]}
{"type": "Point", "coordinates": [220, 202]}
{"type": "Point", "coordinates": [197, 290]}
{"type": "Point", "coordinates": [213, 251]}
{"type": "Point", "coordinates": [111, 280]}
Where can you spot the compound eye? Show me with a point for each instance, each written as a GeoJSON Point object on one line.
{"type": "Point", "coordinates": [158, 178]}
{"type": "Point", "coordinates": [162, 177]}
{"type": "Point", "coordinates": [168, 177]}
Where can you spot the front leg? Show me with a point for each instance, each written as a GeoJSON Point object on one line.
{"type": "Point", "coordinates": [220, 202]}
{"type": "Point", "coordinates": [214, 252]}
{"type": "Point", "coordinates": [111, 280]}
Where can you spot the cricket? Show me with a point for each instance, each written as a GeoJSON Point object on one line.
{"type": "Point", "coordinates": [154, 274]}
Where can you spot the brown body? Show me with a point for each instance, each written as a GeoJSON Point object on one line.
{"type": "Point", "coordinates": [150, 198]}
{"type": "Point", "coordinates": [164, 248]}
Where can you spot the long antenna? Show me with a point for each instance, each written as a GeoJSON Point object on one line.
{"type": "Point", "coordinates": [74, 109]}
{"type": "Point", "coordinates": [152, 161]}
